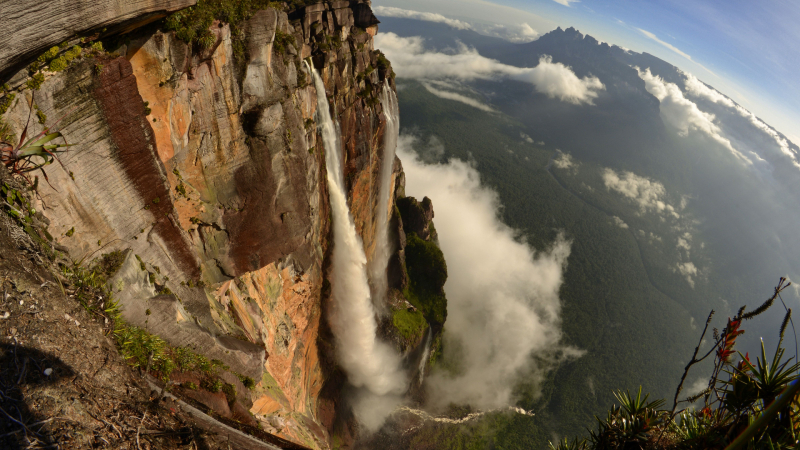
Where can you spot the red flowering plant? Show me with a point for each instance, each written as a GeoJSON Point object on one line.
{"type": "Point", "coordinates": [745, 404]}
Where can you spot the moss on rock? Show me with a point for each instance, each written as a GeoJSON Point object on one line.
{"type": "Point", "coordinates": [427, 272]}
{"type": "Point", "coordinates": [410, 324]}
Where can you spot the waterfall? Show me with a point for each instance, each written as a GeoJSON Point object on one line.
{"type": "Point", "coordinates": [383, 248]}
{"type": "Point", "coordinates": [425, 355]}
{"type": "Point", "coordinates": [368, 362]}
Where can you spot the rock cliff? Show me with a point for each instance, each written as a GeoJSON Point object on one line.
{"type": "Point", "coordinates": [201, 162]}
{"type": "Point", "coordinates": [30, 27]}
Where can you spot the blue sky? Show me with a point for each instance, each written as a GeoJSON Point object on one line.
{"type": "Point", "coordinates": [747, 50]}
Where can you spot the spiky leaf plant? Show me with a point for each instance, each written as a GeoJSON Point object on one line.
{"type": "Point", "coordinates": [33, 154]}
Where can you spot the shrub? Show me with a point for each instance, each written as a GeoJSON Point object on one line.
{"type": "Point", "coordinates": [192, 24]}
{"type": "Point", "coordinates": [410, 324]}
{"type": "Point", "coordinates": [427, 273]}
{"type": "Point", "coordinates": [282, 41]}
{"type": "Point", "coordinates": [746, 405]}
{"type": "Point", "coordinates": [426, 265]}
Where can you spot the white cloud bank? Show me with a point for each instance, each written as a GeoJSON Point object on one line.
{"type": "Point", "coordinates": [517, 33]}
{"type": "Point", "coordinates": [391, 11]}
{"type": "Point", "coordinates": [410, 59]}
{"type": "Point", "coordinates": [449, 95]}
{"type": "Point", "coordinates": [566, 2]}
{"type": "Point", "coordinates": [503, 304]}
{"type": "Point", "coordinates": [689, 270]}
{"type": "Point", "coordinates": [649, 194]}
{"type": "Point", "coordinates": [697, 88]}
{"type": "Point", "coordinates": [564, 160]}
{"type": "Point", "coordinates": [619, 222]}
{"type": "Point", "coordinates": [683, 114]}
{"type": "Point", "coordinates": [653, 37]}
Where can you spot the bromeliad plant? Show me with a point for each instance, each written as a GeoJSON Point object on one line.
{"type": "Point", "coordinates": [746, 405]}
{"type": "Point", "coordinates": [630, 425]}
{"type": "Point", "coordinates": [32, 154]}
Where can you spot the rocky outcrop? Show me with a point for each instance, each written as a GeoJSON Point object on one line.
{"type": "Point", "coordinates": [363, 16]}
{"type": "Point", "coordinates": [417, 216]}
{"type": "Point", "coordinates": [30, 27]}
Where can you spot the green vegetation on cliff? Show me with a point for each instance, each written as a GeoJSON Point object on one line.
{"type": "Point", "coordinates": [193, 24]}
{"type": "Point", "coordinates": [427, 273]}
{"type": "Point", "coordinates": [410, 324]}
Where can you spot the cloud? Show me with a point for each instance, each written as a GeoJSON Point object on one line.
{"type": "Point", "coordinates": [518, 34]}
{"type": "Point", "coordinates": [650, 195]}
{"type": "Point", "coordinates": [652, 36]}
{"type": "Point", "coordinates": [390, 11]}
{"type": "Point", "coordinates": [698, 89]}
{"type": "Point", "coordinates": [503, 305]}
{"type": "Point", "coordinates": [559, 81]}
{"type": "Point", "coordinates": [700, 385]}
{"type": "Point", "coordinates": [566, 2]}
{"type": "Point", "coordinates": [620, 223]}
{"type": "Point", "coordinates": [564, 160]}
{"type": "Point", "coordinates": [688, 270]}
{"type": "Point", "coordinates": [448, 95]}
{"type": "Point", "coordinates": [410, 59]}
{"type": "Point", "coordinates": [683, 114]}
{"type": "Point", "coordinates": [525, 137]}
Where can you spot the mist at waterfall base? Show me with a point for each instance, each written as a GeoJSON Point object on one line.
{"type": "Point", "coordinates": [502, 296]}
{"type": "Point", "coordinates": [373, 368]}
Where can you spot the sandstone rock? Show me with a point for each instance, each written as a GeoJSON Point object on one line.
{"type": "Point", "coordinates": [417, 216]}
{"type": "Point", "coordinates": [30, 27]}
{"type": "Point", "coordinates": [363, 16]}
{"type": "Point", "coordinates": [344, 17]}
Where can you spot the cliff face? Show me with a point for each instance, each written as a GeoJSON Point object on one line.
{"type": "Point", "coordinates": [205, 164]}
{"type": "Point", "coordinates": [30, 27]}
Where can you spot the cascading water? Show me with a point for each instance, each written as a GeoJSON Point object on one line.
{"type": "Point", "coordinates": [425, 355]}
{"type": "Point", "coordinates": [369, 363]}
{"type": "Point", "coordinates": [383, 248]}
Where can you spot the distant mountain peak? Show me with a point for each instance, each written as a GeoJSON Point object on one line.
{"type": "Point", "coordinates": [569, 34]}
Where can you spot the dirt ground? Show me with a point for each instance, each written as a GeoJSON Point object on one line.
{"type": "Point", "coordinates": [63, 385]}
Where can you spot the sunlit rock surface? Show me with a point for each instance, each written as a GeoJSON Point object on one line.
{"type": "Point", "coordinates": [30, 27]}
